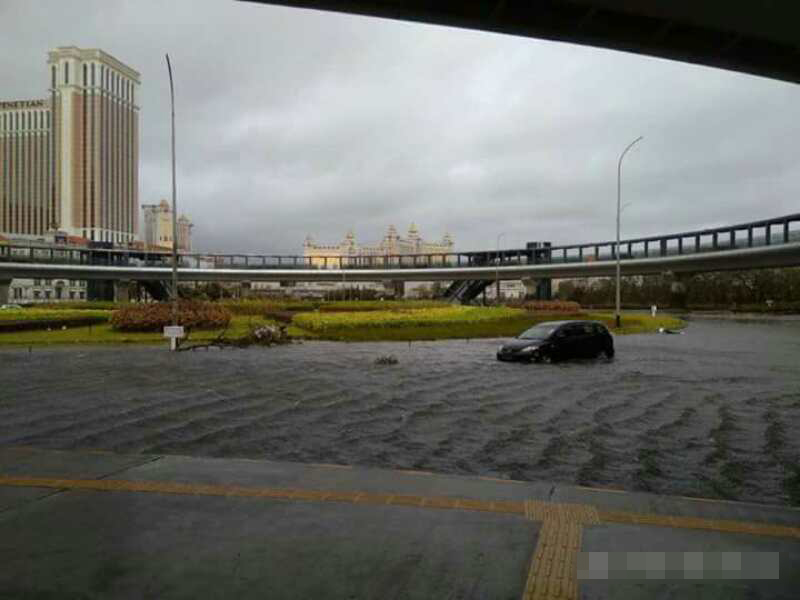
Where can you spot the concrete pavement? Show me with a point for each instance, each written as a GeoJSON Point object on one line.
{"type": "Point", "coordinates": [84, 524]}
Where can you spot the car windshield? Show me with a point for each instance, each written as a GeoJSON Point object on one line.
{"type": "Point", "coordinates": [538, 332]}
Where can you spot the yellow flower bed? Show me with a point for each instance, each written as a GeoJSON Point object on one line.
{"type": "Point", "coordinates": [319, 321]}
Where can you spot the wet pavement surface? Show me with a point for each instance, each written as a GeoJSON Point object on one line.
{"type": "Point", "coordinates": [89, 524]}
{"type": "Point", "coordinates": [709, 413]}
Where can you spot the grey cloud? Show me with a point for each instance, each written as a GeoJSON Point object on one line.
{"type": "Point", "coordinates": [293, 122]}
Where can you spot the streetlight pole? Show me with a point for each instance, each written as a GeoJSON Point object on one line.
{"type": "Point", "coordinates": [497, 270]}
{"type": "Point", "coordinates": [619, 210]}
{"type": "Point", "coordinates": [174, 210]}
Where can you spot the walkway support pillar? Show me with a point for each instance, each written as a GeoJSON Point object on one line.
{"type": "Point", "coordinates": [538, 289]}
{"type": "Point", "coordinates": [396, 289]}
{"type": "Point", "coordinates": [531, 285]}
{"type": "Point", "coordinates": [678, 289]}
{"type": "Point", "coordinates": [5, 291]}
{"type": "Point", "coordinates": [122, 290]}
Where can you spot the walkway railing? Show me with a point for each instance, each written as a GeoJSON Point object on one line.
{"type": "Point", "coordinates": [778, 230]}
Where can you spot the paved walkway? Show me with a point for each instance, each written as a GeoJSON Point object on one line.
{"type": "Point", "coordinates": [83, 524]}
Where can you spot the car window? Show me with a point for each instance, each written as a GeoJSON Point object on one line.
{"type": "Point", "coordinates": [589, 328]}
{"type": "Point", "coordinates": [538, 332]}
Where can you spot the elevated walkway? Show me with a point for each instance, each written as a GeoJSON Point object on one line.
{"type": "Point", "coordinates": [83, 524]}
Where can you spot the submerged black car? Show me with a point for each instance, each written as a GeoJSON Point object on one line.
{"type": "Point", "coordinates": [558, 340]}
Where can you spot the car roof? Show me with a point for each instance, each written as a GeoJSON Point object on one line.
{"type": "Point", "coordinates": [571, 322]}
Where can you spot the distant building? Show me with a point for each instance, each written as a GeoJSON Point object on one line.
{"type": "Point", "coordinates": [158, 227]}
{"type": "Point", "coordinates": [31, 291]}
{"type": "Point", "coordinates": [70, 161]}
{"type": "Point", "coordinates": [348, 251]}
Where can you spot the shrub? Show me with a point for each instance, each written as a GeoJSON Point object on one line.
{"type": "Point", "coordinates": [153, 317]}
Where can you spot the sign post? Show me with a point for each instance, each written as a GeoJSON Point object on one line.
{"type": "Point", "coordinates": [173, 332]}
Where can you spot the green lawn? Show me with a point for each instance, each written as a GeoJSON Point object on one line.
{"type": "Point", "coordinates": [103, 334]}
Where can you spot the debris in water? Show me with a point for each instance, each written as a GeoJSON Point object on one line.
{"type": "Point", "coordinates": [387, 359]}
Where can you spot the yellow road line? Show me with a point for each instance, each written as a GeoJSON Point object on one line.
{"type": "Point", "coordinates": [721, 525]}
{"type": "Point", "coordinates": [534, 510]}
{"type": "Point", "coordinates": [193, 489]}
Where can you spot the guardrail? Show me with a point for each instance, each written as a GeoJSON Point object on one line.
{"type": "Point", "coordinates": [766, 232]}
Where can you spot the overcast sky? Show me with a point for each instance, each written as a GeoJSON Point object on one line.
{"type": "Point", "coordinates": [294, 122]}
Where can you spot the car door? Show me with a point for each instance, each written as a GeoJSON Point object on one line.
{"type": "Point", "coordinates": [600, 336]}
{"type": "Point", "coordinates": [581, 340]}
{"type": "Point", "coordinates": [571, 341]}
{"type": "Point", "coordinates": [592, 344]}
{"type": "Point", "coordinates": [559, 341]}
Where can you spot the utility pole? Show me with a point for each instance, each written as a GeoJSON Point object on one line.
{"type": "Point", "coordinates": [619, 210]}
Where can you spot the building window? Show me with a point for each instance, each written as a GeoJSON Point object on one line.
{"type": "Point", "coordinates": [72, 295]}
{"type": "Point", "coordinates": [92, 73]}
{"type": "Point", "coordinates": [17, 293]}
{"type": "Point", "coordinates": [82, 295]}
{"type": "Point", "coordinates": [37, 294]}
{"type": "Point", "coordinates": [53, 76]}
{"type": "Point", "coordinates": [37, 282]}
{"type": "Point", "coordinates": [48, 282]}
{"type": "Point", "coordinates": [85, 75]}
{"type": "Point", "coordinates": [47, 294]}
{"type": "Point", "coordinates": [66, 73]}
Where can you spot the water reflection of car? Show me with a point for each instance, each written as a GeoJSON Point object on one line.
{"type": "Point", "coordinates": [559, 340]}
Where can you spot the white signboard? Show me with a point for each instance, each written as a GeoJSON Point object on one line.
{"type": "Point", "coordinates": [173, 331]}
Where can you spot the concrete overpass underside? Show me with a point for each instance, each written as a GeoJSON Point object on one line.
{"type": "Point", "coordinates": [760, 37]}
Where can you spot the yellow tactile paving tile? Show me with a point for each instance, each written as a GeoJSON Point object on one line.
{"type": "Point", "coordinates": [537, 510]}
{"type": "Point", "coordinates": [553, 571]}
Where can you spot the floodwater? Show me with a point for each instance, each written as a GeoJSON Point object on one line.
{"type": "Point", "coordinates": [713, 412]}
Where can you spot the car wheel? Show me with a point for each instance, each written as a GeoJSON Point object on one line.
{"type": "Point", "coordinates": [609, 352]}
{"type": "Point", "coordinates": [544, 358]}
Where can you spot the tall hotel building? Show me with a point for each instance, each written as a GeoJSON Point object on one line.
{"type": "Point", "coordinates": [70, 162]}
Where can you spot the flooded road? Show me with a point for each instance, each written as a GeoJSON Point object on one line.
{"type": "Point", "coordinates": [713, 413]}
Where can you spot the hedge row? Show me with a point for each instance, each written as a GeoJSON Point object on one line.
{"type": "Point", "coordinates": [154, 317]}
{"type": "Point", "coordinates": [41, 324]}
